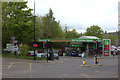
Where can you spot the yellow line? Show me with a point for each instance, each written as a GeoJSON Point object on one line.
{"type": "Point", "coordinates": [85, 75]}
{"type": "Point", "coordinates": [30, 66]}
{"type": "Point", "coordinates": [10, 65]}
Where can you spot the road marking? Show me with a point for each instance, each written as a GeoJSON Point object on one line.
{"type": "Point", "coordinates": [30, 66]}
{"type": "Point", "coordinates": [61, 61]}
{"type": "Point", "coordinates": [96, 71]}
{"type": "Point", "coordinates": [10, 65]}
{"type": "Point", "coordinates": [0, 74]}
{"type": "Point", "coordinates": [85, 75]}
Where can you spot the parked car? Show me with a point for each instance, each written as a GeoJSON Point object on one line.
{"type": "Point", "coordinates": [118, 48]}
{"type": "Point", "coordinates": [60, 53]}
{"type": "Point", "coordinates": [53, 54]}
{"type": "Point", "coordinates": [79, 54]}
{"type": "Point", "coordinates": [31, 53]}
{"type": "Point", "coordinates": [56, 56]}
{"type": "Point", "coordinates": [114, 49]}
{"type": "Point", "coordinates": [74, 53]}
{"type": "Point", "coordinates": [41, 55]}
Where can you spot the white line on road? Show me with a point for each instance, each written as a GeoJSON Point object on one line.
{"type": "Point", "coordinates": [10, 65]}
{"type": "Point", "coordinates": [96, 71]}
{"type": "Point", "coordinates": [85, 75]}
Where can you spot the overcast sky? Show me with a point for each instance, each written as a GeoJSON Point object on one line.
{"type": "Point", "coordinates": [80, 14]}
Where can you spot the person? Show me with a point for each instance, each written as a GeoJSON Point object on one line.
{"type": "Point", "coordinates": [114, 53]}
{"type": "Point", "coordinates": [83, 55]}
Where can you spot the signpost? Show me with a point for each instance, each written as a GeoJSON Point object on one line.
{"type": "Point", "coordinates": [106, 47]}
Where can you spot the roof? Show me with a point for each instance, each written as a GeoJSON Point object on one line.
{"type": "Point", "coordinates": [88, 37]}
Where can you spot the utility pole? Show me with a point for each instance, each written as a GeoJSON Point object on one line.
{"type": "Point", "coordinates": [34, 29]}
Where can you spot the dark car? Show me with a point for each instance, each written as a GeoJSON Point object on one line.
{"type": "Point", "coordinates": [56, 56]}
{"type": "Point", "coordinates": [60, 53]}
{"type": "Point", "coordinates": [74, 53]}
{"type": "Point", "coordinates": [53, 54]}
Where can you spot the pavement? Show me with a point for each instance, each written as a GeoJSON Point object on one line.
{"type": "Point", "coordinates": [65, 67]}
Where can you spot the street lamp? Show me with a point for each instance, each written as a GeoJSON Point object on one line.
{"type": "Point", "coordinates": [34, 29]}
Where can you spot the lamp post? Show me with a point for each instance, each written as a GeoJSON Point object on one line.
{"type": "Point", "coordinates": [34, 29]}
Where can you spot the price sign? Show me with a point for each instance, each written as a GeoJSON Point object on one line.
{"type": "Point", "coordinates": [107, 44]}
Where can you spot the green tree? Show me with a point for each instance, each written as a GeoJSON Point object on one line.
{"type": "Point", "coordinates": [17, 20]}
{"type": "Point", "coordinates": [72, 34]}
{"type": "Point", "coordinates": [113, 38]}
{"type": "Point", "coordinates": [50, 28]}
{"type": "Point", "coordinates": [94, 31]}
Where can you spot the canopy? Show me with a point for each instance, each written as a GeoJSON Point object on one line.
{"type": "Point", "coordinates": [81, 39]}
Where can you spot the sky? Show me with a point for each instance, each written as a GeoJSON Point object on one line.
{"type": "Point", "coordinates": [80, 14]}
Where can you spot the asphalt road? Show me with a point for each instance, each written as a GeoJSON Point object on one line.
{"type": "Point", "coordinates": [65, 67]}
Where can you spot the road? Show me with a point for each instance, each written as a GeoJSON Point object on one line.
{"type": "Point", "coordinates": [65, 67]}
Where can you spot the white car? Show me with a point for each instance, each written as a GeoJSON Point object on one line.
{"type": "Point", "coordinates": [113, 48]}
{"type": "Point", "coordinates": [41, 55]}
{"type": "Point", "coordinates": [80, 55]}
{"type": "Point", "coordinates": [118, 48]}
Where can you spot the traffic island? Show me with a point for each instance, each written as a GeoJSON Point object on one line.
{"type": "Point", "coordinates": [96, 60]}
{"type": "Point", "coordinates": [84, 65]}
{"type": "Point", "coordinates": [97, 64]}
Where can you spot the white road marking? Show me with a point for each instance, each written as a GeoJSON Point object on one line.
{"type": "Point", "coordinates": [96, 71]}
{"type": "Point", "coordinates": [85, 75]}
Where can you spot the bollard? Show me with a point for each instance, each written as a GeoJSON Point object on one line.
{"type": "Point", "coordinates": [84, 62]}
{"type": "Point", "coordinates": [96, 60]}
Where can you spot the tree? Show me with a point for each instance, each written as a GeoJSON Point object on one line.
{"type": "Point", "coordinates": [113, 38]}
{"type": "Point", "coordinates": [50, 28]}
{"type": "Point", "coordinates": [72, 34]}
{"type": "Point", "coordinates": [17, 20]}
{"type": "Point", "coordinates": [94, 31]}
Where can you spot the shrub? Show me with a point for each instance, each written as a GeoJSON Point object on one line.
{"type": "Point", "coordinates": [24, 49]}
